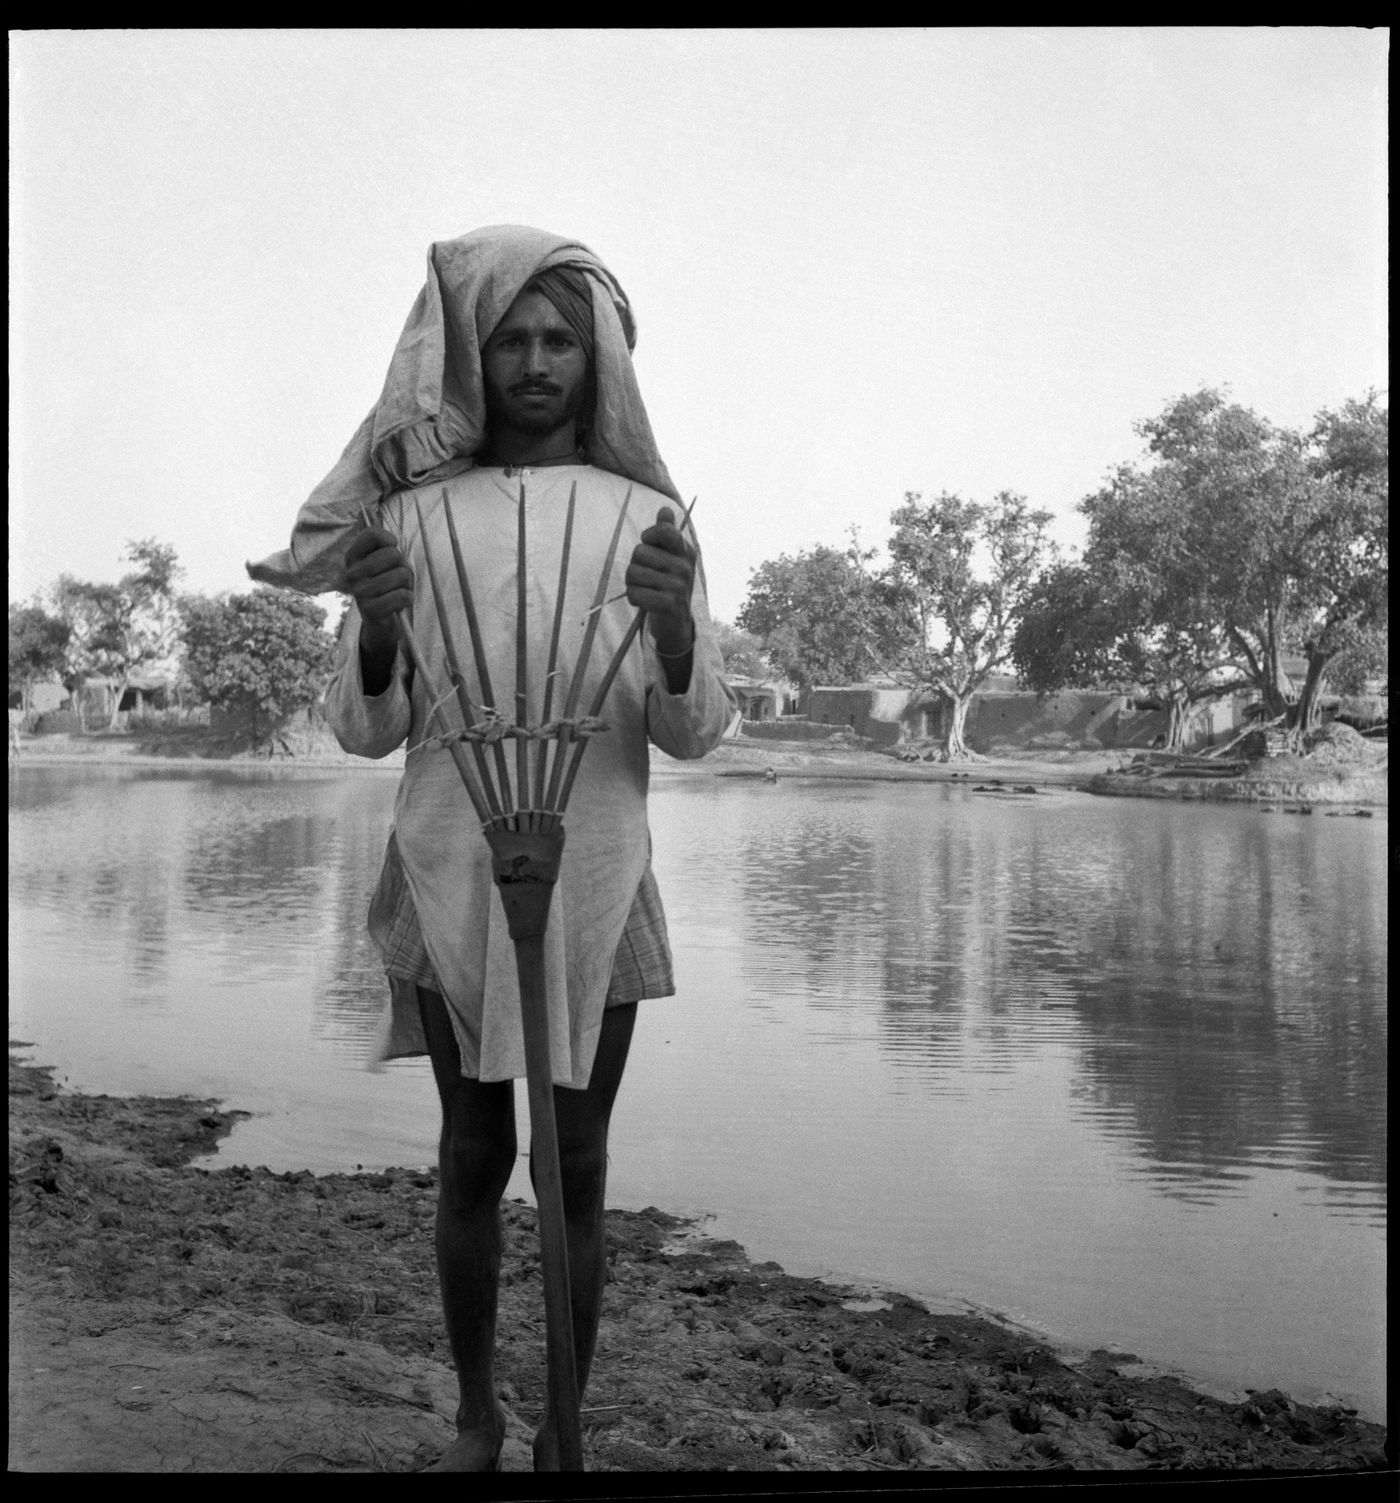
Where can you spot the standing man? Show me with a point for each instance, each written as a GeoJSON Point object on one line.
{"type": "Point", "coordinates": [513, 374]}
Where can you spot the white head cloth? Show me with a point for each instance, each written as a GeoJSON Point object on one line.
{"type": "Point", "coordinates": [430, 419]}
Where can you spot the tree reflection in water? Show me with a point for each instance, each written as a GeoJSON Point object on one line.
{"type": "Point", "coordinates": [1221, 973]}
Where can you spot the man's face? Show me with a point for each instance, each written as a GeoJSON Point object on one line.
{"type": "Point", "coordinates": [535, 369]}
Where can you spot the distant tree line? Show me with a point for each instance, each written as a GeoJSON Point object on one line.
{"type": "Point", "coordinates": [263, 655]}
{"type": "Point", "coordinates": [1229, 546]}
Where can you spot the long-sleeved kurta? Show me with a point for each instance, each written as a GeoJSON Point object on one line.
{"type": "Point", "coordinates": [445, 856]}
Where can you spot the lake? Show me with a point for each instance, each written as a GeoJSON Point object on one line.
{"type": "Point", "coordinates": [1112, 1068]}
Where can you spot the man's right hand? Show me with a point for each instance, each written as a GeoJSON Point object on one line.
{"type": "Point", "coordinates": [381, 582]}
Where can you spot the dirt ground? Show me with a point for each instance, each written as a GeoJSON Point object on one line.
{"type": "Point", "coordinates": [1346, 772]}
{"type": "Point", "coordinates": [171, 1319]}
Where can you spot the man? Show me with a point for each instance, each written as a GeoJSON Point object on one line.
{"type": "Point", "coordinates": [526, 393]}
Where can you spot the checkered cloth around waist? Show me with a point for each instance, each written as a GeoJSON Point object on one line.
{"type": "Point", "coordinates": [641, 967]}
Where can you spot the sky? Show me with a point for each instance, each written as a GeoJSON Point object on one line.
{"type": "Point", "coordinates": [863, 261]}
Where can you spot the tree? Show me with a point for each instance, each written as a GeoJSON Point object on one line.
{"type": "Point", "coordinates": [121, 631]}
{"type": "Point", "coordinates": [742, 652]}
{"type": "Point", "coordinates": [1234, 543]}
{"type": "Point", "coordinates": [1286, 534]}
{"type": "Point", "coordinates": [1340, 554]}
{"type": "Point", "coordinates": [1229, 486]}
{"type": "Point", "coordinates": [822, 616]}
{"type": "Point", "coordinates": [1067, 634]}
{"type": "Point", "coordinates": [963, 570]}
{"type": "Point", "coordinates": [93, 614]}
{"type": "Point", "coordinates": [264, 654]}
{"type": "Point", "coordinates": [1171, 639]}
{"type": "Point", "coordinates": [38, 646]}
{"type": "Point", "coordinates": [1093, 624]}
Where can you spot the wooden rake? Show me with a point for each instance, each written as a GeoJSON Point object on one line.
{"type": "Point", "coordinates": [523, 821]}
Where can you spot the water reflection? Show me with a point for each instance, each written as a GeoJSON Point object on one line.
{"type": "Point", "coordinates": [1219, 980]}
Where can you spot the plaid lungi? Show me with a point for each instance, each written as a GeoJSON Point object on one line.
{"type": "Point", "coordinates": [641, 966]}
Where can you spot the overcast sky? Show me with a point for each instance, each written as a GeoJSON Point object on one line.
{"type": "Point", "coordinates": [862, 261]}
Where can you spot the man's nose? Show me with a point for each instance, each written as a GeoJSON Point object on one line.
{"type": "Point", "coordinates": [536, 357]}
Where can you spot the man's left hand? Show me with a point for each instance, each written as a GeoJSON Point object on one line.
{"type": "Point", "coordinates": [660, 578]}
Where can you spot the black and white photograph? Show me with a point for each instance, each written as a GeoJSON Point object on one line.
{"type": "Point", "coordinates": [699, 752]}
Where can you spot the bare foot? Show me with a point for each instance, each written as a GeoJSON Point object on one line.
{"type": "Point", "coordinates": [474, 1450]}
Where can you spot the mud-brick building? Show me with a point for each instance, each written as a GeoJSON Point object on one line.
{"type": "Point", "coordinates": [874, 711]}
{"type": "Point", "coordinates": [1002, 720]}
{"type": "Point", "coordinates": [764, 700]}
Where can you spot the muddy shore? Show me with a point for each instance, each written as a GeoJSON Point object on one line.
{"type": "Point", "coordinates": [165, 1318]}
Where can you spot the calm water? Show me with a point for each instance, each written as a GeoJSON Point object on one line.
{"type": "Point", "coordinates": [1114, 1069]}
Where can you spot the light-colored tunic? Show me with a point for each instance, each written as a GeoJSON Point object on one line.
{"type": "Point", "coordinates": [607, 843]}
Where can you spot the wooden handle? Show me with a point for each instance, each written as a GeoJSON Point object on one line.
{"type": "Point", "coordinates": [549, 1196]}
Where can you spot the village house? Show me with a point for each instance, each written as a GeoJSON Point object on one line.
{"type": "Point", "coordinates": [764, 699]}
{"type": "Point", "coordinates": [92, 699]}
{"type": "Point", "coordinates": [1002, 719]}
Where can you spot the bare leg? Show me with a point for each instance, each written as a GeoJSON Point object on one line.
{"type": "Point", "coordinates": [581, 1119]}
{"type": "Point", "coordinates": [475, 1157]}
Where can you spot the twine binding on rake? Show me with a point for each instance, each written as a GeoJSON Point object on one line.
{"type": "Point", "coordinates": [537, 796]}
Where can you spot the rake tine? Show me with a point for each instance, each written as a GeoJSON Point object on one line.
{"type": "Point", "coordinates": [622, 594]}
{"type": "Point", "coordinates": [454, 671]}
{"type": "Point", "coordinates": [598, 698]}
{"type": "Point", "coordinates": [522, 688]}
{"type": "Point", "coordinates": [586, 651]}
{"type": "Point", "coordinates": [611, 673]}
{"type": "Point", "coordinates": [580, 668]}
{"type": "Point", "coordinates": [542, 757]}
{"type": "Point", "coordinates": [420, 667]}
{"type": "Point", "coordinates": [454, 747]}
{"type": "Point", "coordinates": [483, 673]}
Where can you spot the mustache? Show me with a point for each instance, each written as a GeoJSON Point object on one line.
{"type": "Point", "coordinates": [526, 388]}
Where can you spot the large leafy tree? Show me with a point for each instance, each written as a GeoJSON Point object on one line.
{"type": "Point", "coordinates": [264, 654]}
{"type": "Point", "coordinates": [1284, 533]}
{"type": "Point", "coordinates": [1248, 496]}
{"type": "Point", "coordinates": [1229, 487]}
{"type": "Point", "coordinates": [1232, 544]}
{"type": "Point", "coordinates": [964, 570]}
{"type": "Point", "coordinates": [126, 629]}
{"type": "Point", "coordinates": [742, 652]}
{"type": "Point", "coordinates": [1340, 556]}
{"type": "Point", "coordinates": [823, 616]}
{"type": "Point", "coordinates": [1067, 634]}
{"type": "Point", "coordinates": [1129, 614]}
{"type": "Point", "coordinates": [38, 648]}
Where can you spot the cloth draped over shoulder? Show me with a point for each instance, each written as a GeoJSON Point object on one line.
{"type": "Point", "coordinates": [430, 419]}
